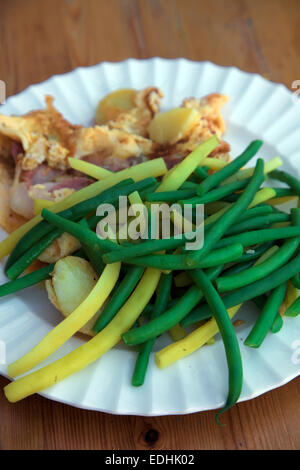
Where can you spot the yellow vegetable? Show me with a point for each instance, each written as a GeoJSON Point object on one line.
{"type": "Point", "coordinates": [178, 174]}
{"type": "Point", "coordinates": [213, 163]}
{"type": "Point", "coordinates": [190, 343]}
{"type": "Point", "coordinates": [177, 332]}
{"type": "Point", "coordinates": [173, 125]}
{"type": "Point", "coordinates": [91, 350]}
{"type": "Point", "coordinates": [81, 165]}
{"type": "Point", "coordinates": [156, 167]}
{"type": "Point", "coordinates": [115, 103]}
{"type": "Point", "coordinates": [71, 324]}
{"type": "Point", "coordinates": [277, 201]}
{"type": "Point", "coordinates": [40, 204]}
{"type": "Point", "coordinates": [291, 295]}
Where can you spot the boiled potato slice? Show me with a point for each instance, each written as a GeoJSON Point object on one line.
{"type": "Point", "coordinates": [173, 125]}
{"type": "Point", "coordinates": [72, 280]}
{"type": "Point", "coordinates": [113, 104]}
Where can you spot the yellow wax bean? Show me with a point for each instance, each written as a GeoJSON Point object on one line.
{"type": "Point", "coordinates": [40, 204]}
{"type": "Point", "coordinates": [90, 169]}
{"type": "Point", "coordinates": [190, 343]}
{"type": "Point", "coordinates": [179, 173]}
{"type": "Point", "coordinates": [214, 163]}
{"type": "Point", "coordinates": [291, 295]}
{"type": "Point", "coordinates": [92, 349]}
{"type": "Point", "coordinates": [70, 325]}
{"type": "Point", "coordinates": [177, 332]}
{"type": "Point", "coordinates": [156, 167]}
{"type": "Point", "coordinates": [277, 201]}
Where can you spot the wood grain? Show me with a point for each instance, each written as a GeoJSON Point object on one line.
{"type": "Point", "coordinates": [42, 38]}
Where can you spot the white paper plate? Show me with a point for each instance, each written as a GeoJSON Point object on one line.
{"type": "Point", "coordinates": [257, 109]}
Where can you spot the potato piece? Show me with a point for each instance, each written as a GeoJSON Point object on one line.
{"type": "Point", "coordinates": [72, 280]}
{"type": "Point", "coordinates": [61, 247]}
{"type": "Point", "coordinates": [115, 103]}
{"type": "Point", "coordinates": [173, 125]}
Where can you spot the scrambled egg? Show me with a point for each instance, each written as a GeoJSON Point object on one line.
{"type": "Point", "coordinates": [34, 148]}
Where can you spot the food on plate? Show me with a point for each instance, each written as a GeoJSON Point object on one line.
{"type": "Point", "coordinates": [122, 287]}
{"type": "Point", "coordinates": [35, 148]}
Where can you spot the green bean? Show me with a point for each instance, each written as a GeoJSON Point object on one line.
{"type": "Point", "coordinates": [219, 176]}
{"type": "Point", "coordinates": [284, 192]}
{"type": "Point", "coordinates": [285, 177]}
{"type": "Point", "coordinates": [296, 281]}
{"type": "Point", "coordinates": [263, 209]}
{"type": "Point", "coordinates": [217, 194]}
{"type": "Point", "coordinates": [257, 222]}
{"type": "Point", "coordinates": [26, 281]}
{"type": "Point", "coordinates": [189, 185]}
{"type": "Point", "coordinates": [201, 172]}
{"type": "Point", "coordinates": [277, 323]}
{"type": "Point", "coordinates": [229, 217]}
{"type": "Point", "coordinates": [32, 254]}
{"type": "Point", "coordinates": [76, 212]}
{"type": "Point", "coordinates": [231, 345]}
{"type": "Point", "coordinates": [266, 318]}
{"type": "Point", "coordinates": [119, 297]}
{"type": "Point", "coordinates": [146, 248]}
{"type": "Point", "coordinates": [255, 289]}
{"type": "Point", "coordinates": [248, 276]}
{"type": "Point", "coordinates": [178, 262]}
{"type": "Point", "coordinates": [170, 317]}
{"type": "Point", "coordinates": [294, 309]}
{"type": "Point", "coordinates": [252, 254]}
{"type": "Point", "coordinates": [259, 236]}
{"type": "Point", "coordinates": [85, 236]}
{"type": "Point", "coordinates": [31, 279]}
{"type": "Point", "coordinates": [238, 268]}
{"type": "Point", "coordinates": [170, 196]}
{"type": "Point", "coordinates": [159, 307]}
{"type": "Point", "coordinates": [93, 254]}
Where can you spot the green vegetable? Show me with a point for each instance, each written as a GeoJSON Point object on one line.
{"type": "Point", "coordinates": [178, 262]}
{"type": "Point", "coordinates": [228, 170]}
{"type": "Point", "coordinates": [229, 217]}
{"type": "Point", "coordinates": [231, 345]}
{"type": "Point", "coordinates": [285, 177]}
{"type": "Point", "coordinates": [160, 305]}
{"type": "Point", "coordinates": [32, 254]}
{"type": "Point", "coordinates": [267, 317]}
{"type": "Point", "coordinates": [216, 194]}
{"type": "Point", "coordinates": [75, 212]}
{"type": "Point", "coordinates": [119, 297]}
{"type": "Point", "coordinates": [277, 323]}
{"type": "Point", "coordinates": [170, 196]}
{"type": "Point", "coordinates": [248, 276]}
{"type": "Point", "coordinates": [258, 222]}
{"type": "Point", "coordinates": [170, 317]}
{"type": "Point", "coordinates": [254, 289]}
{"type": "Point", "coordinates": [26, 281]}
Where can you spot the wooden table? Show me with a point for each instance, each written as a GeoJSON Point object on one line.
{"type": "Point", "coordinates": [42, 38]}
